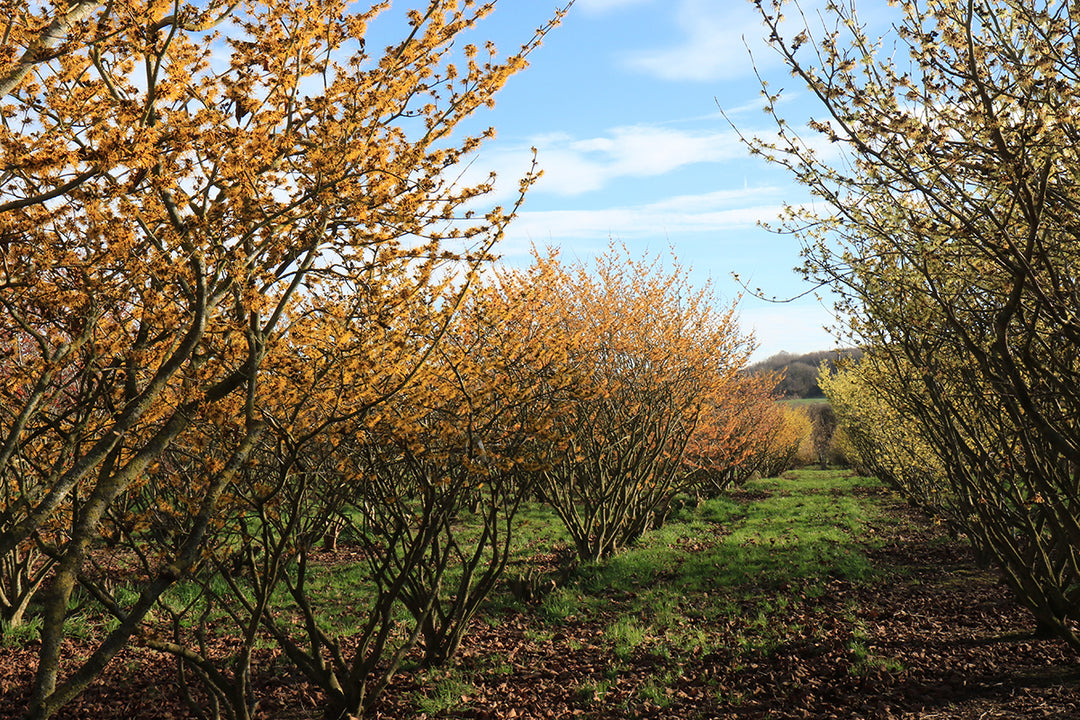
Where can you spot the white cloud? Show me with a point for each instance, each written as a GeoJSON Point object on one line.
{"type": "Point", "coordinates": [717, 39]}
{"type": "Point", "coordinates": [574, 167]}
{"type": "Point", "coordinates": [713, 46]}
{"type": "Point", "coordinates": [711, 212]}
{"type": "Point", "coordinates": [648, 151]}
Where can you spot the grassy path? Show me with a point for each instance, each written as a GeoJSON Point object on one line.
{"type": "Point", "coordinates": [815, 596]}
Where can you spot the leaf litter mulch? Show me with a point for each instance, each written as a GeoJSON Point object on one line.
{"type": "Point", "coordinates": [931, 637]}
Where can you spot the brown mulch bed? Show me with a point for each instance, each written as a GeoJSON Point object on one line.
{"type": "Point", "coordinates": [945, 640]}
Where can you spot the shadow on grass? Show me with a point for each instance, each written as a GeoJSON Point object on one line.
{"type": "Point", "coordinates": [794, 532]}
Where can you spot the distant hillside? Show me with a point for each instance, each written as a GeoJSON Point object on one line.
{"type": "Point", "coordinates": [800, 371]}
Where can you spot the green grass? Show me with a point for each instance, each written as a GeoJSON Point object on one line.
{"type": "Point", "coordinates": [802, 531]}
{"type": "Point", "coordinates": [590, 694]}
{"type": "Point", "coordinates": [560, 605]}
{"type": "Point", "coordinates": [444, 691]}
{"type": "Point", "coordinates": [625, 635]}
{"type": "Point", "coordinates": [744, 564]}
{"type": "Point", "coordinates": [19, 635]}
{"type": "Point", "coordinates": [803, 402]}
{"type": "Point", "coordinates": [866, 658]}
{"type": "Point", "coordinates": [752, 562]}
{"type": "Point", "coordinates": [655, 692]}
{"type": "Point", "coordinates": [749, 565]}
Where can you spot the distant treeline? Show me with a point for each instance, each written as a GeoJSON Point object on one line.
{"type": "Point", "coordinates": [801, 371]}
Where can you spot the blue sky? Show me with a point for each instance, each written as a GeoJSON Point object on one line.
{"type": "Point", "coordinates": [621, 102]}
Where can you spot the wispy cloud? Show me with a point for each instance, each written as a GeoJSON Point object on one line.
{"type": "Point", "coordinates": [717, 38]}
{"type": "Point", "coordinates": [575, 166]}
{"type": "Point", "coordinates": [713, 46]}
{"type": "Point", "coordinates": [711, 212]}
{"type": "Point", "coordinates": [644, 151]}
